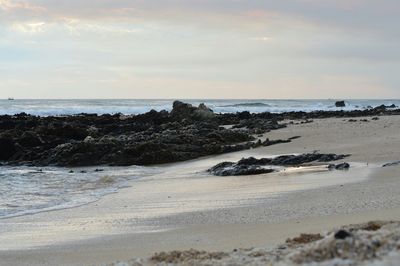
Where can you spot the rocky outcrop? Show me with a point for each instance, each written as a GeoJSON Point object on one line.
{"type": "Point", "coordinates": [253, 166]}
{"type": "Point", "coordinates": [385, 107]}
{"type": "Point", "coordinates": [185, 133]}
{"type": "Point", "coordinates": [340, 104]}
{"type": "Point", "coordinates": [240, 117]}
{"type": "Point", "coordinates": [182, 111]}
{"type": "Point", "coordinates": [237, 169]}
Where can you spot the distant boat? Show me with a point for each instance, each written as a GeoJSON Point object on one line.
{"type": "Point", "coordinates": [11, 99]}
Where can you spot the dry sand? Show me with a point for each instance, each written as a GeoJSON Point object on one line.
{"type": "Point", "coordinates": [185, 208]}
{"type": "Point", "coordinates": [373, 243]}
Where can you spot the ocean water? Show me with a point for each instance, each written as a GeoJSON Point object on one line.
{"type": "Point", "coordinates": [69, 107]}
{"type": "Point", "coordinates": [28, 190]}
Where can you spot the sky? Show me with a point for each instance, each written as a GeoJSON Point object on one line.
{"type": "Point", "coordinates": [243, 49]}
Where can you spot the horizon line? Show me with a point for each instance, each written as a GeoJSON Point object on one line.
{"type": "Point", "coordinates": [197, 99]}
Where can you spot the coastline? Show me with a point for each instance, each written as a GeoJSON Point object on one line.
{"type": "Point", "coordinates": [373, 198]}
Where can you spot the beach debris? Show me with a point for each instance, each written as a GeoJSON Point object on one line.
{"type": "Point", "coordinates": [307, 121]}
{"type": "Point", "coordinates": [351, 245]}
{"type": "Point", "coordinates": [304, 239]}
{"type": "Point", "coordinates": [181, 257]}
{"type": "Point", "coordinates": [253, 166]}
{"type": "Point", "coordinates": [372, 226]}
{"type": "Point", "coordinates": [375, 118]}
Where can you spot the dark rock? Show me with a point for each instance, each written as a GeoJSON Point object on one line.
{"type": "Point", "coordinates": [391, 164]}
{"type": "Point", "coordinates": [384, 107]}
{"type": "Point", "coordinates": [30, 139]}
{"type": "Point", "coordinates": [252, 166]}
{"type": "Point", "coordinates": [342, 234]}
{"type": "Point", "coordinates": [182, 110]}
{"type": "Point", "coordinates": [340, 104]}
{"type": "Point", "coordinates": [254, 161]}
{"type": "Point", "coordinates": [7, 148]}
{"type": "Point", "coordinates": [230, 169]}
{"type": "Point", "coordinates": [342, 166]}
{"type": "Point", "coordinates": [221, 165]}
{"type": "Point", "coordinates": [244, 115]}
{"type": "Point", "coordinates": [295, 160]}
{"type": "Point", "coordinates": [259, 125]}
{"type": "Point", "coordinates": [380, 108]}
{"type": "Point", "coordinates": [203, 113]}
{"type": "Point", "coordinates": [268, 142]}
{"type": "Point", "coordinates": [332, 157]}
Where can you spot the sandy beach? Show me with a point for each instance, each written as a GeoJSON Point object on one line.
{"type": "Point", "coordinates": [199, 132]}
{"type": "Point", "coordinates": [184, 207]}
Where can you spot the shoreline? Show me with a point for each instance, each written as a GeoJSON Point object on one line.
{"type": "Point", "coordinates": [154, 218]}
{"type": "Point", "coordinates": [156, 137]}
{"type": "Point", "coordinates": [335, 205]}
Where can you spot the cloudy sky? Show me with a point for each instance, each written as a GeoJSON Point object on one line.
{"type": "Point", "coordinates": [199, 48]}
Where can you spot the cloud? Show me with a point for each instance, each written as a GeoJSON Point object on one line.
{"type": "Point", "coordinates": [286, 47]}
{"type": "Point", "coordinates": [11, 5]}
{"type": "Point", "coordinates": [30, 28]}
{"type": "Point", "coordinates": [358, 16]}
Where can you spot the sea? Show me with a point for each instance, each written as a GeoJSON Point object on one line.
{"type": "Point", "coordinates": [28, 190]}
{"type": "Point", "coordinates": [71, 107]}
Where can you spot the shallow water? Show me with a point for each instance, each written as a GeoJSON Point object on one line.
{"type": "Point", "coordinates": [187, 187]}
{"type": "Point", "coordinates": [68, 107]}
{"type": "Point", "coordinates": [28, 190]}
{"type": "Point", "coordinates": [149, 202]}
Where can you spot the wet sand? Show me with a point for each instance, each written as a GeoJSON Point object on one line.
{"type": "Point", "coordinates": [186, 208]}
